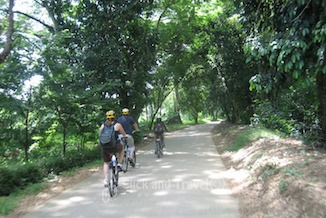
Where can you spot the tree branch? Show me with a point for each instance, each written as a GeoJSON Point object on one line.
{"type": "Point", "coordinates": [160, 18]}
{"type": "Point", "coordinates": [50, 28]}
{"type": "Point", "coordinates": [302, 11]}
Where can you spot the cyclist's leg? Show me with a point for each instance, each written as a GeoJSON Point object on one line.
{"type": "Point", "coordinates": [119, 149]}
{"type": "Point", "coordinates": [155, 143]}
{"type": "Point", "coordinates": [131, 143]}
{"type": "Point", "coordinates": [162, 138]}
{"type": "Point", "coordinates": [107, 160]}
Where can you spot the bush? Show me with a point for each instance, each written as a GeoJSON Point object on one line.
{"type": "Point", "coordinates": [138, 137]}
{"type": "Point", "coordinates": [295, 120]}
{"type": "Point", "coordinates": [20, 176]}
{"type": "Point", "coordinates": [73, 158]}
{"type": "Point", "coordinates": [7, 182]}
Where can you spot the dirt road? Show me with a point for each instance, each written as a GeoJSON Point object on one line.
{"type": "Point", "coordinates": [188, 181]}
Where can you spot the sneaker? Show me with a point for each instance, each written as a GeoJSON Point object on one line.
{"type": "Point", "coordinates": [132, 163]}
{"type": "Point", "coordinates": [106, 184]}
{"type": "Point", "coordinates": [119, 165]}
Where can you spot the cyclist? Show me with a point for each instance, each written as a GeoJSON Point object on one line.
{"type": "Point", "coordinates": [127, 122]}
{"type": "Point", "coordinates": [110, 120]}
{"type": "Point", "coordinates": [158, 129]}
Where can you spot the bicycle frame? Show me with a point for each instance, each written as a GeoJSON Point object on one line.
{"type": "Point", "coordinates": [159, 149]}
{"type": "Point", "coordinates": [113, 176]}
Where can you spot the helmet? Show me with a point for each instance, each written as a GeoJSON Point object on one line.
{"type": "Point", "coordinates": [110, 114]}
{"type": "Point", "coordinates": [125, 111]}
{"type": "Point", "coordinates": [159, 118]}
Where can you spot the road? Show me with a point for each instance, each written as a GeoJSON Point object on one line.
{"type": "Point", "coordinates": [189, 180]}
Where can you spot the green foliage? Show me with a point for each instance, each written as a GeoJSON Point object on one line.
{"type": "Point", "coordinates": [59, 163]}
{"type": "Point", "coordinates": [267, 170]}
{"type": "Point", "coordinates": [306, 163]}
{"type": "Point", "coordinates": [292, 172]}
{"type": "Point", "coordinates": [193, 92]}
{"type": "Point", "coordinates": [283, 185]}
{"type": "Point", "coordinates": [294, 113]}
{"type": "Point", "coordinates": [138, 136]}
{"type": "Point", "coordinates": [18, 176]}
{"type": "Point", "coordinates": [243, 138]}
{"type": "Point", "coordinates": [287, 41]}
{"type": "Point", "coordinates": [7, 204]}
{"type": "Point", "coordinates": [228, 76]}
{"type": "Point", "coordinates": [172, 127]}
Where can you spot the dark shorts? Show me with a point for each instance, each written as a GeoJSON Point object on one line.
{"type": "Point", "coordinates": [106, 151]}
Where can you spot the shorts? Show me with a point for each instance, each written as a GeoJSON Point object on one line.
{"type": "Point", "coordinates": [130, 141]}
{"type": "Point", "coordinates": [105, 151]}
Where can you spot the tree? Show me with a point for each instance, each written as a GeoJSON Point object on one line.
{"type": "Point", "coordinates": [176, 27]}
{"type": "Point", "coordinates": [289, 35]}
{"type": "Point", "coordinates": [193, 92]}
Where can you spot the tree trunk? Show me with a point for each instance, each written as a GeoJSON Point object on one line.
{"type": "Point", "coordinates": [226, 111]}
{"type": "Point", "coordinates": [176, 100]}
{"type": "Point", "coordinates": [64, 139]}
{"type": "Point", "coordinates": [321, 95]}
{"type": "Point", "coordinates": [10, 31]}
{"type": "Point", "coordinates": [26, 137]}
{"type": "Point", "coordinates": [235, 113]}
{"type": "Point", "coordinates": [196, 119]}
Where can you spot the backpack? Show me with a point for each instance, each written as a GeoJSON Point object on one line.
{"type": "Point", "coordinates": [107, 136]}
{"type": "Point", "coordinates": [158, 128]}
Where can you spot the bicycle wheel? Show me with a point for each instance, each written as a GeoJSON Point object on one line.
{"type": "Point", "coordinates": [113, 184]}
{"type": "Point", "coordinates": [110, 180]}
{"type": "Point", "coordinates": [106, 195]}
{"type": "Point", "coordinates": [125, 163]}
{"type": "Point", "coordinates": [158, 149]}
{"type": "Point", "coordinates": [134, 159]}
{"type": "Point", "coordinates": [161, 148]}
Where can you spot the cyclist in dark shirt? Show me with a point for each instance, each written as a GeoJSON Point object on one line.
{"type": "Point", "coordinates": [127, 123]}
{"type": "Point", "coordinates": [161, 134]}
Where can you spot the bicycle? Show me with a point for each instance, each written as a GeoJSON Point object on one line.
{"type": "Point", "coordinates": [113, 177]}
{"type": "Point", "coordinates": [159, 147]}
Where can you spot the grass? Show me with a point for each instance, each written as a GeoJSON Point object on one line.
{"type": "Point", "coordinates": [243, 138]}
{"type": "Point", "coordinates": [172, 127]}
{"type": "Point", "coordinates": [9, 203]}
{"type": "Point", "coordinates": [283, 185]}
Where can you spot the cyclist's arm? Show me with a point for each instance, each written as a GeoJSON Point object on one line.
{"type": "Point", "coordinates": [136, 127]}
{"type": "Point", "coordinates": [165, 127]}
{"type": "Point", "coordinates": [102, 126]}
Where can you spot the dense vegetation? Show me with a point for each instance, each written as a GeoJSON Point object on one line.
{"type": "Point", "coordinates": [250, 62]}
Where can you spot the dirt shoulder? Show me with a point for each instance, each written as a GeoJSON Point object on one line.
{"type": "Point", "coordinates": [274, 178]}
